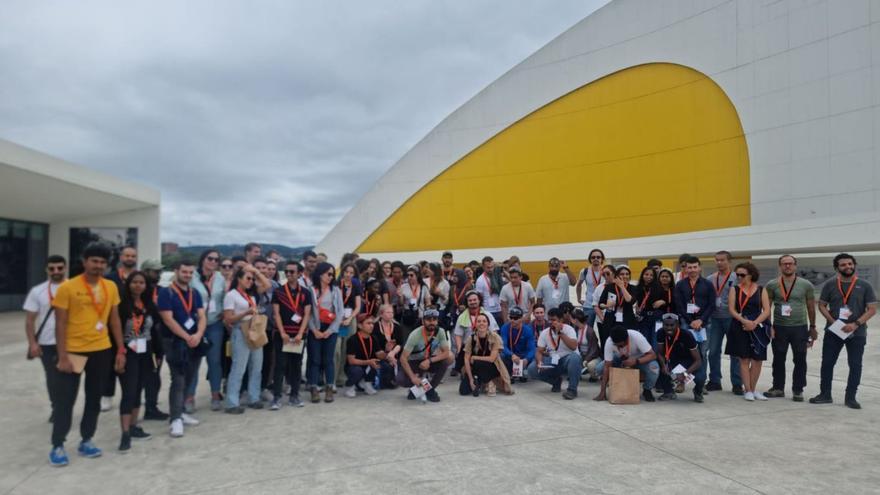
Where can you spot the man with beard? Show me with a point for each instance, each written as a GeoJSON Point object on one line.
{"type": "Point", "coordinates": [552, 289]}
{"type": "Point", "coordinates": [489, 285]}
{"type": "Point", "coordinates": [39, 323]}
{"type": "Point", "coordinates": [519, 343]}
{"type": "Point", "coordinates": [446, 264]}
{"type": "Point", "coordinates": [127, 263]}
{"type": "Point", "coordinates": [426, 352]}
{"type": "Point", "coordinates": [847, 303]}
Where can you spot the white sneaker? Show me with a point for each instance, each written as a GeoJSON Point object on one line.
{"type": "Point", "coordinates": [749, 396]}
{"type": "Point", "coordinates": [759, 395]}
{"type": "Point", "coordinates": [177, 428]}
{"type": "Point", "coordinates": [368, 388]}
{"type": "Point", "coordinates": [106, 403]}
{"type": "Point", "coordinates": [350, 392]}
{"type": "Point", "coordinates": [189, 420]}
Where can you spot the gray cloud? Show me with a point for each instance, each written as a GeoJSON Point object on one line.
{"type": "Point", "coordinates": [256, 121]}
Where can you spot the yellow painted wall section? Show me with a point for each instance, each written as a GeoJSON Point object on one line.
{"type": "Point", "coordinates": [625, 156]}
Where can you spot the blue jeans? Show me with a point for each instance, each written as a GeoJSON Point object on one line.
{"type": "Point", "coordinates": [243, 358]}
{"type": "Point", "coordinates": [357, 373]}
{"type": "Point", "coordinates": [320, 357]}
{"type": "Point", "coordinates": [591, 315]}
{"type": "Point", "coordinates": [214, 356]}
{"type": "Point", "coordinates": [569, 365]}
{"type": "Point", "coordinates": [651, 370]}
{"type": "Point", "coordinates": [718, 328]}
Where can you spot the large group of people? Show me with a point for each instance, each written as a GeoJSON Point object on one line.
{"type": "Point", "coordinates": [258, 321]}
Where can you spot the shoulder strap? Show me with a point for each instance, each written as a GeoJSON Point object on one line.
{"type": "Point", "coordinates": [43, 324]}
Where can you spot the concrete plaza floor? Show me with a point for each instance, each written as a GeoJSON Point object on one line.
{"type": "Point", "coordinates": [531, 442]}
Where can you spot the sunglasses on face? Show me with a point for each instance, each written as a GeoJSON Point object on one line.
{"type": "Point", "coordinates": [515, 317]}
{"type": "Point", "coordinates": [54, 269]}
{"type": "Point", "coordinates": [741, 275]}
{"type": "Point", "coordinates": [289, 272]}
{"type": "Point", "coordinates": [212, 258]}
{"type": "Point", "coordinates": [226, 267]}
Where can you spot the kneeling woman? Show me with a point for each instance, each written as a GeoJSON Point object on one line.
{"type": "Point", "coordinates": [138, 315]}
{"type": "Point", "coordinates": [363, 354]}
{"type": "Point", "coordinates": [483, 366]}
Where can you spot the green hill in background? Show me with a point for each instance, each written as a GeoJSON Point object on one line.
{"type": "Point", "coordinates": [193, 252]}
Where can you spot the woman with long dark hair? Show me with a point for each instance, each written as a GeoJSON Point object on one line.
{"type": "Point", "coordinates": [749, 334]}
{"type": "Point", "coordinates": [617, 304]}
{"type": "Point", "coordinates": [352, 297]}
{"type": "Point", "coordinates": [645, 316]}
{"type": "Point", "coordinates": [327, 315]}
{"type": "Point", "coordinates": [211, 285]}
{"type": "Point", "coordinates": [138, 316]}
{"type": "Point", "coordinates": [414, 296]}
{"type": "Point", "coordinates": [372, 297]}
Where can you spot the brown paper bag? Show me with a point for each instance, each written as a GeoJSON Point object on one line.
{"type": "Point", "coordinates": [78, 361]}
{"type": "Point", "coordinates": [624, 386]}
{"type": "Point", "coordinates": [255, 331]}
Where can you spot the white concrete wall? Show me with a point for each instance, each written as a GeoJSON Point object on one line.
{"type": "Point", "coordinates": [804, 76]}
{"type": "Point", "coordinates": [146, 220]}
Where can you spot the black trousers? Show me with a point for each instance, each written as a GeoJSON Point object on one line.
{"type": "Point", "coordinates": [484, 372]}
{"type": "Point", "coordinates": [268, 371]}
{"type": "Point", "coordinates": [110, 381]}
{"type": "Point", "coordinates": [137, 368]}
{"type": "Point", "coordinates": [66, 390]}
{"type": "Point", "coordinates": [796, 337]}
{"type": "Point", "coordinates": [152, 383]}
{"type": "Point", "coordinates": [287, 365]}
{"type": "Point", "coordinates": [49, 358]}
{"type": "Point", "coordinates": [855, 351]}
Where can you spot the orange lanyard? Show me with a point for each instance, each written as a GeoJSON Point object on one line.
{"type": "Point", "coordinates": [187, 304]}
{"type": "Point", "coordinates": [510, 338]}
{"type": "Point", "coordinates": [99, 310]}
{"type": "Point", "coordinates": [416, 296]}
{"type": "Point", "coordinates": [137, 321]}
{"type": "Point", "coordinates": [474, 321]}
{"type": "Point", "coordinates": [720, 287]}
{"type": "Point", "coordinates": [645, 299]}
{"type": "Point", "coordinates": [345, 297]}
{"type": "Point", "coordinates": [619, 301]}
{"type": "Point", "coordinates": [848, 291]}
{"type": "Point", "coordinates": [556, 342]}
{"type": "Point", "coordinates": [517, 296]}
{"type": "Point", "coordinates": [693, 291]}
{"type": "Point", "coordinates": [554, 281]}
{"type": "Point", "coordinates": [743, 300]}
{"type": "Point", "coordinates": [387, 331]}
{"type": "Point", "coordinates": [49, 291]}
{"type": "Point", "coordinates": [119, 274]}
{"type": "Point", "coordinates": [596, 277]}
{"type": "Point", "coordinates": [369, 353]}
{"type": "Point", "coordinates": [251, 302]}
{"type": "Point", "coordinates": [668, 350]}
{"type": "Point", "coordinates": [459, 294]}
{"type": "Point", "coordinates": [155, 295]}
{"type": "Point", "coordinates": [294, 303]}
{"type": "Point", "coordinates": [370, 306]}
{"type": "Point", "coordinates": [488, 283]}
{"type": "Point", "coordinates": [786, 292]}
{"type": "Point", "coordinates": [427, 344]}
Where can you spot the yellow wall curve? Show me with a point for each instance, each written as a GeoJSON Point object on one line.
{"type": "Point", "coordinates": [649, 150]}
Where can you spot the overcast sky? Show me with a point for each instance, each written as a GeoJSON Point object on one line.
{"type": "Point", "coordinates": [257, 121]}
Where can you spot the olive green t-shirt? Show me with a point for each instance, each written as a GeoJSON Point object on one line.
{"type": "Point", "coordinates": [801, 294]}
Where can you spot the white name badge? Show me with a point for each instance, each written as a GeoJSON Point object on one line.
{"type": "Point", "coordinates": [785, 309]}
{"type": "Point", "coordinates": [296, 318]}
{"type": "Point", "coordinates": [618, 316]}
{"type": "Point", "coordinates": [99, 326]}
{"type": "Point", "coordinates": [188, 324]}
{"type": "Point", "coordinates": [412, 301]}
{"type": "Point", "coordinates": [845, 313]}
{"type": "Point", "coordinates": [346, 313]}
{"type": "Point", "coordinates": [718, 302]}
{"type": "Point", "coordinates": [139, 345]}
{"type": "Point", "coordinates": [212, 305]}
{"type": "Point", "coordinates": [557, 294]}
{"type": "Point", "coordinates": [692, 309]}
{"type": "Point", "coordinates": [658, 325]}
{"type": "Point", "coordinates": [554, 359]}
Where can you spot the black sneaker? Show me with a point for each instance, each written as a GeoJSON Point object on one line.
{"type": "Point", "coordinates": [256, 405]}
{"type": "Point", "coordinates": [234, 410]}
{"type": "Point", "coordinates": [698, 397]}
{"type": "Point", "coordinates": [797, 396]}
{"type": "Point", "coordinates": [738, 390]}
{"type": "Point", "coordinates": [410, 396]}
{"type": "Point", "coordinates": [712, 387]}
{"type": "Point", "coordinates": [557, 386]}
{"type": "Point", "coordinates": [569, 394]}
{"type": "Point", "coordinates": [852, 403]}
{"type": "Point", "coordinates": [52, 417]}
{"type": "Point", "coordinates": [649, 397]}
{"type": "Point", "coordinates": [432, 395]}
{"type": "Point", "coordinates": [668, 396]}
{"type": "Point", "coordinates": [125, 443]}
{"type": "Point", "coordinates": [821, 399]}
{"type": "Point", "coordinates": [155, 415]}
{"type": "Point", "coordinates": [138, 433]}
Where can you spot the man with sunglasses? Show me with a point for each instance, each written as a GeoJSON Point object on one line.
{"type": "Point", "coordinates": [793, 303]}
{"type": "Point", "coordinates": [588, 279]}
{"type": "Point", "coordinates": [519, 343]}
{"type": "Point", "coordinates": [426, 353]}
{"type": "Point", "coordinates": [39, 323]}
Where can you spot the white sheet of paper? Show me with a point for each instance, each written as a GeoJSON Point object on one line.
{"type": "Point", "coordinates": [417, 391]}
{"type": "Point", "coordinates": [296, 318]}
{"type": "Point", "coordinates": [426, 384]}
{"type": "Point", "coordinates": [517, 369]}
{"type": "Point", "coordinates": [681, 370]}
{"type": "Point", "coordinates": [293, 348]}
{"type": "Point", "coordinates": [837, 329]}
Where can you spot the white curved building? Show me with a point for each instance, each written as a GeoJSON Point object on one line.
{"type": "Point", "coordinates": [757, 122]}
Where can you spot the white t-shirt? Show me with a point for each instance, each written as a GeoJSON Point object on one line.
{"type": "Point", "coordinates": [491, 301]}
{"type": "Point", "coordinates": [526, 295]}
{"type": "Point", "coordinates": [588, 278]}
{"type": "Point", "coordinates": [553, 295]}
{"type": "Point", "coordinates": [597, 294]}
{"type": "Point", "coordinates": [562, 350]}
{"type": "Point", "coordinates": [637, 347]}
{"type": "Point", "coordinates": [238, 304]}
{"type": "Point", "coordinates": [37, 301]}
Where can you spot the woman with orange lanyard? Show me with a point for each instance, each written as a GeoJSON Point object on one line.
{"type": "Point", "coordinates": [389, 334]}
{"type": "Point", "coordinates": [351, 304]}
{"type": "Point", "coordinates": [326, 318]}
{"type": "Point", "coordinates": [415, 297]}
{"type": "Point", "coordinates": [644, 313]}
{"type": "Point", "coordinates": [212, 287]}
{"type": "Point", "coordinates": [749, 334]}
{"type": "Point", "coordinates": [291, 309]}
{"type": "Point", "coordinates": [372, 297]}
{"type": "Point", "coordinates": [616, 303]}
{"type": "Point", "coordinates": [240, 304]}
{"type": "Point", "coordinates": [439, 289]}
{"type": "Point", "coordinates": [138, 315]}
{"type": "Point", "coordinates": [483, 367]}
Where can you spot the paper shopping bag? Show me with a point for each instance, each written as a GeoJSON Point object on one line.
{"type": "Point", "coordinates": [624, 386]}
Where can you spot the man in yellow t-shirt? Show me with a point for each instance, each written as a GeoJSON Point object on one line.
{"type": "Point", "coordinates": [86, 309]}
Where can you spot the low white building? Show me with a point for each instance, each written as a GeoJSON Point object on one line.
{"type": "Point", "coordinates": [49, 206]}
